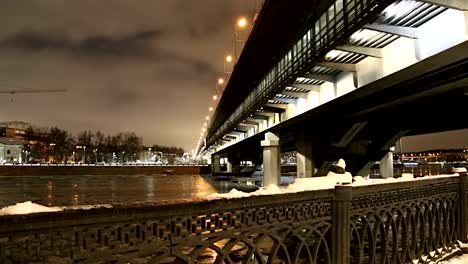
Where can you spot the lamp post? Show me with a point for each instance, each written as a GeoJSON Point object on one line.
{"type": "Point", "coordinates": [53, 152]}
{"type": "Point", "coordinates": [84, 154]}
{"type": "Point", "coordinates": [149, 155]}
{"type": "Point", "coordinates": [241, 23]}
{"type": "Point", "coordinates": [27, 152]}
{"type": "Point", "coordinates": [229, 59]}
{"type": "Point", "coordinates": [95, 155]}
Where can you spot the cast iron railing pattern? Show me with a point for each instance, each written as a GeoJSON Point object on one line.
{"type": "Point", "coordinates": [400, 226]}
{"type": "Point", "coordinates": [388, 223]}
{"type": "Point", "coordinates": [257, 234]}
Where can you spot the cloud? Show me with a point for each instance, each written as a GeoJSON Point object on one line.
{"type": "Point", "coordinates": [125, 65]}
{"type": "Point", "coordinates": [133, 45]}
{"type": "Point", "coordinates": [139, 45]}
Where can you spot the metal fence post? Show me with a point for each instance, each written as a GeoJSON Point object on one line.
{"type": "Point", "coordinates": [341, 224]}
{"type": "Point", "coordinates": [463, 207]}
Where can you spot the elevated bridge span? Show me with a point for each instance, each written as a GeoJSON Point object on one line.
{"type": "Point", "coordinates": [361, 126]}
{"type": "Point", "coordinates": [354, 69]}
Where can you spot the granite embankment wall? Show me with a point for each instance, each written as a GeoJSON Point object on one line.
{"type": "Point", "coordinates": [100, 170]}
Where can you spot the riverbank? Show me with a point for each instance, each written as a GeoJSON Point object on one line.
{"type": "Point", "coordinates": [30, 170]}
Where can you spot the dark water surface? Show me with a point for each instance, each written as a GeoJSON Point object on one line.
{"type": "Point", "coordinates": [112, 189]}
{"type": "Point", "coordinates": [86, 190]}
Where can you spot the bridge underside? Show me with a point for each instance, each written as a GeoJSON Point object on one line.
{"type": "Point", "coordinates": [430, 96]}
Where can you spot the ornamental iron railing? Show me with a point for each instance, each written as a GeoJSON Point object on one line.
{"type": "Point", "coordinates": [418, 221]}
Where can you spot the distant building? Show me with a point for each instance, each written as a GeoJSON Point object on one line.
{"type": "Point", "coordinates": [439, 155]}
{"type": "Point", "coordinates": [10, 149]}
{"type": "Point", "coordinates": [14, 129]}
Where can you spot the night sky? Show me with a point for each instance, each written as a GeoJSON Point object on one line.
{"type": "Point", "coordinates": [148, 66]}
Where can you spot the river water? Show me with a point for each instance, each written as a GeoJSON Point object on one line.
{"type": "Point", "coordinates": [89, 190]}
{"type": "Point", "coordinates": [112, 189]}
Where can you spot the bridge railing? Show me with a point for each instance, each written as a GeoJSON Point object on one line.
{"type": "Point", "coordinates": [397, 222]}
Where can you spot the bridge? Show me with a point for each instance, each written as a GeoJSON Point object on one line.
{"type": "Point", "coordinates": [337, 79]}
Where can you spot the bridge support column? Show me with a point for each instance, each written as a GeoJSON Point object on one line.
{"type": "Point", "coordinates": [271, 160]}
{"type": "Point", "coordinates": [215, 163]}
{"type": "Point", "coordinates": [229, 166]}
{"type": "Point", "coordinates": [386, 165]}
{"type": "Point", "coordinates": [305, 164]}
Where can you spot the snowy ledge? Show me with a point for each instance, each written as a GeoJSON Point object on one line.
{"type": "Point", "coordinates": [322, 183]}
{"type": "Point", "coordinates": [31, 208]}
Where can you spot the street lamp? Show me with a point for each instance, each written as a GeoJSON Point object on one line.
{"type": "Point", "coordinates": [227, 60]}
{"type": "Point", "coordinates": [241, 23]}
{"type": "Point", "coordinates": [53, 153]}
{"type": "Point", "coordinates": [218, 90]}
{"type": "Point", "coordinates": [95, 155]}
{"type": "Point", "coordinates": [84, 154]}
{"type": "Point", "coordinates": [149, 155]}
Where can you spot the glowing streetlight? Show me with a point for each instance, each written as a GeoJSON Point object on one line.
{"type": "Point", "coordinates": [228, 60]}
{"type": "Point", "coordinates": [205, 124]}
{"type": "Point", "coordinates": [210, 109]}
{"type": "Point", "coordinates": [215, 97]}
{"type": "Point", "coordinates": [242, 22]}
{"type": "Point", "coordinates": [84, 154]}
{"type": "Point", "coordinates": [207, 117]}
{"type": "Point", "coordinates": [220, 81]}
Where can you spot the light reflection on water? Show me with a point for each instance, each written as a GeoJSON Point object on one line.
{"type": "Point", "coordinates": [85, 190]}
{"type": "Point", "coordinates": [112, 189]}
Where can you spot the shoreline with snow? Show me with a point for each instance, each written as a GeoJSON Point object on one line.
{"type": "Point", "coordinates": [300, 185]}
{"type": "Point", "coordinates": [321, 183]}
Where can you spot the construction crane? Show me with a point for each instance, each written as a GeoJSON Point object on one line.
{"type": "Point", "coordinates": [17, 91]}
{"type": "Point", "coordinates": [24, 90]}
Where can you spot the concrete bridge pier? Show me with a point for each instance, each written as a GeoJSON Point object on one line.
{"type": "Point", "coordinates": [232, 162]}
{"type": "Point", "coordinates": [305, 163]}
{"type": "Point", "coordinates": [215, 163]}
{"type": "Point", "coordinates": [386, 165]}
{"type": "Point", "coordinates": [271, 159]}
{"type": "Point", "coordinates": [228, 166]}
